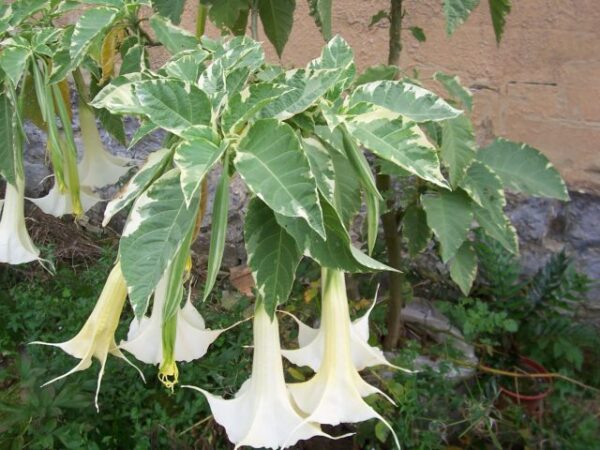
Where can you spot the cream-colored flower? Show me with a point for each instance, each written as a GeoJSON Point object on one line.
{"type": "Point", "coordinates": [58, 203]}
{"type": "Point", "coordinates": [97, 337]}
{"type": "Point", "coordinates": [311, 343]}
{"type": "Point", "coordinates": [262, 414]}
{"type": "Point", "coordinates": [97, 168]}
{"type": "Point", "coordinates": [144, 339]}
{"type": "Point", "coordinates": [335, 394]}
{"type": "Point", "coordinates": [16, 247]}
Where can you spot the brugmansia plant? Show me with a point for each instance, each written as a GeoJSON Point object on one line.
{"type": "Point", "coordinates": [299, 141]}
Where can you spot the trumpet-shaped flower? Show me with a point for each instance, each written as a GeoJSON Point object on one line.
{"type": "Point", "coordinates": [16, 246]}
{"type": "Point", "coordinates": [144, 339]}
{"type": "Point", "coordinates": [97, 337]}
{"type": "Point", "coordinates": [335, 394]}
{"type": "Point", "coordinates": [97, 168]}
{"type": "Point", "coordinates": [58, 204]}
{"type": "Point", "coordinates": [312, 345]}
{"type": "Point", "coordinates": [262, 414]}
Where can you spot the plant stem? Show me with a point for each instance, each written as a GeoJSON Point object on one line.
{"type": "Point", "coordinates": [201, 20]}
{"type": "Point", "coordinates": [254, 20]}
{"type": "Point", "coordinates": [395, 328]}
{"type": "Point", "coordinates": [200, 29]}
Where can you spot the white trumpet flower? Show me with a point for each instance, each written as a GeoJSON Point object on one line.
{"type": "Point", "coordinates": [16, 247]}
{"type": "Point", "coordinates": [311, 343]}
{"type": "Point", "coordinates": [58, 203]}
{"type": "Point", "coordinates": [144, 339]}
{"type": "Point", "coordinates": [335, 394]}
{"type": "Point", "coordinates": [97, 337]}
{"type": "Point", "coordinates": [97, 168]}
{"type": "Point", "coordinates": [262, 414]}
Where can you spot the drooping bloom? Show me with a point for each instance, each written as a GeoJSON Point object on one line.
{"type": "Point", "coordinates": [261, 414]}
{"type": "Point", "coordinates": [58, 203]}
{"type": "Point", "coordinates": [97, 168]}
{"type": "Point", "coordinates": [335, 394]}
{"type": "Point", "coordinates": [144, 339]}
{"type": "Point", "coordinates": [97, 337]}
{"type": "Point", "coordinates": [16, 247]}
{"type": "Point", "coordinates": [312, 345]}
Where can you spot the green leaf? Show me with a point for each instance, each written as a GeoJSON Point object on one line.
{"type": "Point", "coordinates": [171, 9]}
{"type": "Point", "coordinates": [414, 102]}
{"type": "Point", "coordinates": [320, 10]}
{"type": "Point", "coordinates": [135, 60]}
{"type": "Point", "coordinates": [230, 15]}
{"type": "Point", "coordinates": [400, 144]}
{"type": "Point", "coordinates": [373, 214]}
{"type": "Point", "coordinates": [336, 250]}
{"type": "Point", "coordinates": [463, 267]}
{"type": "Point", "coordinates": [377, 73]}
{"type": "Point", "coordinates": [277, 17]}
{"type": "Point", "coordinates": [449, 215]}
{"type": "Point", "coordinates": [244, 105]}
{"type": "Point", "coordinates": [272, 164]}
{"type": "Point", "coordinates": [218, 230]}
{"type": "Point", "coordinates": [458, 147]}
{"type": "Point", "coordinates": [523, 169]}
{"type": "Point", "coordinates": [194, 159]}
{"type": "Point", "coordinates": [415, 229]}
{"type": "Point", "coordinates": [418, 34]}
{"type": "Point", "coordinates": [273, 255]}
{"type": "Point", "coordinates": [455, 89]}
{"type": "Point", "coordinates": [157, 226]}
{"type": "Point", "coordinates": [7, 129]}
{"type": "Point", "coordinates": [331, 170]}
{"type": "Point", "coordinates": [153, 168]}
{"type": "Point", "coordinates": [13, 61]}
{"type": "Point", "coordinates": [92, 24]}
{"type": "Point", "coordinates": [499, 9]}
{"type": "Point", "coordinates": [174, 39]}
{"type": "Point", "coordinates": [457, 12]}
{"type": "Point", "coordinates": [173, 105]}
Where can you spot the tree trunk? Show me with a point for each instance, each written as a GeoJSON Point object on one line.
{"type": "Point", "coordinates": [395, 328]}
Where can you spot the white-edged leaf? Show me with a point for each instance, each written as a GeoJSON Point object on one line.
{"type": "Point", "coordinates": [457, 12]}
{"type": "Point", "coordinates": [158, 224]}
{"type": "Point", "coordinates": [402, 145]}
{"type": "Point", "coordinates": [153, 167]}
{"type": "Point", "coordinates": [92, 24]}
{"type": "Point", "coordinates": [524, 169]}
{"type": "Point", "coordinates": [13, 61]}
{"type": "Point", "coordinates": [273, 255]}
{"type": "Point", "coordinates": [173, 105]}
{"type": "Point", "coordinates": [455, 89]}
{"type": "Point", "coordinates": [414, 102]}
{"type": "Point", "coordinates": [175, 39]}
{"type": "Point", "coordinates": [449, 215]}
{"type": "Point", "coordinates": [119, 96]}
{"type": "Point", "coordinates": [195, 158]}
{"type": "Point", "coordinates": [272, 164]}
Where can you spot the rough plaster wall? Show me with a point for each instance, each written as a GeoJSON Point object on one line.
{"type": "Point", "coordinates": [540, 86]}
